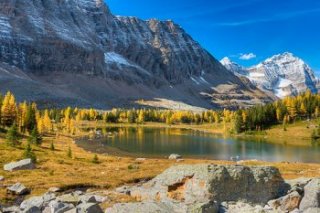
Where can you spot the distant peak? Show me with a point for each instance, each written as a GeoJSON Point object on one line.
{"type": "Point", "coordinates": [226, 60]}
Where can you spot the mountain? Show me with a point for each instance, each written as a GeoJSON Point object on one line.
{"type": "Point", "coordinates": [282, 74]}
{"type": "Point", "coordinates": [76, 52]}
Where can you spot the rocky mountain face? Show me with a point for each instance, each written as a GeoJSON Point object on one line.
{"type": "Point", "coordinates": [75, 52]}
{"type": "Point", "coordinates": [282, 75]}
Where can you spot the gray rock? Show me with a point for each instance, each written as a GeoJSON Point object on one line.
{"type": "Point", "coordinates": [241, 207]}
{"type": "Point", "coordinates": [141, 159]}
{"type": "Point", "coordinates": [73, 198]}
{"type": "Point", "coordinates": [200, 183]}
{"type": "Point", "coordinates": [32, 209]}
{"type": "Point", "coordinates": [123, 190]}
{"type": "Point", "coordinates": [209, 207]}
{"type": "Point", "coordinates": [11, 209]}
{"type": "Point", "coordinates": [88, 199]}
{"type": "Point", "coordinates": [142, 207]}
{"type": "Point", "coordinates": [54, 189]}
{"type": "Point", "coordinates": [311, 198]}
{"type": "Point", "coordinates": [25, 164]}
{"type": "Point", "coordinates": [312, 210]}
{"type": "Point", "coordinates": [18, 189]}
{"type": "Point", "coordinates": [297, 185]}
{"type": "Point", "coordinates": [38, 201]}
{"type": "Point", "coordinates": [89, 208]}
{"type": "Point", "coordinates": [59, 207]}
{"type": "Point", "coordinates": [174, 157]}
{"type": "Point", "coordinates": [101, 199]}
{"type": "Point", "coordinates": [286, 203]}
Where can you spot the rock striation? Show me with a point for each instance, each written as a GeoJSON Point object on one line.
{"type": "Point", "coordinates": [77, 52]}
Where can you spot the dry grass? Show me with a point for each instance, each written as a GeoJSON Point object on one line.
{"type": "Point", "coordinates": [54, 168]}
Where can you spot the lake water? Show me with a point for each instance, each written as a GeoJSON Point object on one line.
{"type": "Point", "coordinates": [161, 142]}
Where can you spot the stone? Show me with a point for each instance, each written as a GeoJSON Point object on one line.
{"type": "Point", "coordinates": [32, 209]}
{"type": "Point", "coordinates": [38, 201]}
{"type": "Point", "coordinates": [1, 178]}
{"type": "Point", "coordinates": [241, 207]}
{"type": "Point", "coordinates": [123, 190]}
{"type": "Point", "coordinates": [142, 207]}
{"type": "Point", "coordinates": [141, 159]}
{"type": "Point", "coordinates": [311, 198]}
{"type": "Point", "coordinates": [54, 189]}
{"type": "Point", "coordinates": [209, 207]}
{"type": "Point", "coordinates": [297, 185]}
{"type": "Point", "coordinates": [69, 198]}
{"type": "Point", "coordinates": [59, 207]}
{"type": "Point", "coordinates": [312, 210]}
{"type": "Point", "coordinates": [11, 209]}
{"type": "Point", "coordinates": [25, 164]}
{"type": "Point", "coordinates": [180, 160]}
{"type": "Point", "coordinates": [88, 199]}
{"type": "Point", "coordinates": [286, 203]}
{"type": "Point", "coordinates": [203, 182]}
{"type": "Point", "coordinates": [18, 189]}
{"type": "Point", "coordinates": [174, 157]}
{"type": "Point", "coordinates": [89, 208]}
{"type": "Point", "coordinates": [101, 199]}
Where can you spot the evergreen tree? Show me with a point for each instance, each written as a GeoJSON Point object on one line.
{"type": "Point", "coordinates": [95, 159]}
{"type": "Point", "coordinates": [52, 148]}
{"type": "Point", "coordinates": [35, 137]}
{"type": "Point", "coordinates": [12, 137]}
{"type": "Point", "coordinates": [69, 152]}
{"type": "Point", "coordinates": [28, 153]}
{"type": "Point", "coordinates": [30, 120]}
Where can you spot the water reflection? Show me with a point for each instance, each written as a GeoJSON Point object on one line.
{"type": "Point", "coordinates": [160, 142]}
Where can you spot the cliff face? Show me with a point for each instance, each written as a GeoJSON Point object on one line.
{"type": "Point", "coordinates": [63, 42]}
{"type": "Point", "coordinates": [283, 75]}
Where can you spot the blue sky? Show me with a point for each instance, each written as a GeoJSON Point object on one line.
{"type": "Point", "coordinates": [247, 31]}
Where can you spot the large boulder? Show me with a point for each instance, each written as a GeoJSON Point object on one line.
{"type": "Point", "coordinates": [311, 198]}
{"type": "Point", "coordinates": [25, 164]}
{"type": "Point", "coordinates": [18, 189]}
{"type": "Point", "coordinates": [200, 183]}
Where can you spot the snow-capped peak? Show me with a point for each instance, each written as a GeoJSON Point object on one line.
{"type": "Point", "coordinates": [283, 74]}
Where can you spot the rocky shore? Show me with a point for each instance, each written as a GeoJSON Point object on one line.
{"type": "Point", "coordinates": [189, 188]}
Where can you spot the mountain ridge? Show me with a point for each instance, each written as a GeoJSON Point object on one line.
{"type": "Point", "coordinates": [77, 50]}
{"type": "Point", "coordinates": [282, 74]}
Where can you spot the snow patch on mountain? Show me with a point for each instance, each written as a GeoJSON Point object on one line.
{"type": "Point", "coordinates": [283, 74]}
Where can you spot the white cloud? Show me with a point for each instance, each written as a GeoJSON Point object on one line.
{"type": "Point", "coordinates": [247, 56]}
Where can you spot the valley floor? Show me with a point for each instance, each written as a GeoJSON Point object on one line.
{"type": "Point", "coordinates": [56, 169]}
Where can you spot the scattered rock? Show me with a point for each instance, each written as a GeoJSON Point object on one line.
{"type": "Point", "coordinates": [88, 199]}
{"type": "Point", "coordinates": [54, 189]}
{"type": "Point", "coordinates": [32, 209]}
{"type": "Point", "coordinates": [286, 203]}
{"type": "Point", "coordinates": [25, 164]}
{"type": "Point", "coordinates": [297, 185]}
{"type": "Point", "coordinates": [141, 159]}
{"type": "Point", "coordinates": [174, 157]}
{"type": "Point", "coordinates": [311, 198]}
{"type": "Point", "coordinates": [11, 209]}
{"type": "Point", "coordinates": [89, 208]}
{"type": "Point", "coordinates": [59, 207]}
{"type": "Point", "coordinates": [180, 160]}
{"type": "Point", "coordinates": [1, 178]}
{"type": "Point", "coordinates": [141, 207]}
{"type": "Point", "coordinates": [73, 198]}
{"type": "Point", "coordinates": [38, 201]}
{"type": "Point", "coordinates": [18, 189]}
